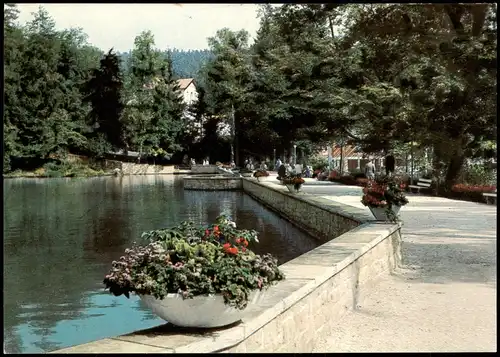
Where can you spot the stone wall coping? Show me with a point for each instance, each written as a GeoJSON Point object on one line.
{"type": "Point", "coordinates": [303, 275]}
{"type": "Point", "coordinates": [210, 176]}
{"type": "Point", "coordinates": [350, 212]}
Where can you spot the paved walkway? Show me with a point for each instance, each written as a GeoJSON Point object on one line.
{"type": "Point", "coordinates": [443, 299]}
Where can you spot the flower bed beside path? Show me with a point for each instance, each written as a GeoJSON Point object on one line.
{"type": "Point", "coordinates": [472, 193]}
{"type": "Point", "coordinates": [465, 192]}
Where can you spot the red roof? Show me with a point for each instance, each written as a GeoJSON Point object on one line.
{"type": "Point", "coordinates": [348, 151]}
{"type": "Point", "coordinates": [184, 82]}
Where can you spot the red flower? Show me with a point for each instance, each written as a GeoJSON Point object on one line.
{"type": "Point", "coordinates": [216, 228]}
{"type": "Point", "coordinates": [207, 232]}
{"type": "Point", "coordinates": [231, 250]}
{"type": "Point", "coordinates": [245, 242]}
{"type": "Point", "coordinates": [239, 240]}
{"type": "Point", "coordinates": [243, 249]}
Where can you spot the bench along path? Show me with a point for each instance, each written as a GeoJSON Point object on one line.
{"type": "Point", "coordinates": [490, 196]}
{"type": "Point", "coordinates": [443, 299]}
{"type": "Point", "coordinates": [421, 184]}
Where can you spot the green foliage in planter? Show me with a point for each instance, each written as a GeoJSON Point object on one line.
{"type": "Point", "coordinates": [194, 261]}
{"type": "Point", "coordinates": [384, 192]}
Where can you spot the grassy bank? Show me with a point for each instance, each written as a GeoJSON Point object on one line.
{"type": "Point", "coordinates": [62, 169]}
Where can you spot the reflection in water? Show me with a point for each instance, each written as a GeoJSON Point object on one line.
{"type": "Point", "coordinates": [62, 234]}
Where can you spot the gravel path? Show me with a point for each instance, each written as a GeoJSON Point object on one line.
{"type": "Point", "coordinates": [443, 299]}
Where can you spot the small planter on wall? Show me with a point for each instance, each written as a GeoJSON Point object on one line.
{"type": "Point", "coordinates": [380, 213]}
{"type": "Point", "coordinates": [294, 188]}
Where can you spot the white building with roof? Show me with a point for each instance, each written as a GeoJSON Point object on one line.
{"type": "Point", "coordinates": [189, 91]}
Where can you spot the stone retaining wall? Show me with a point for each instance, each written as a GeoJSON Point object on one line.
{"type": "Point", "coordinates": [129, 168]}
{"type": "Point", "coordinates": [211, 183]}
{"type": "Point", "coordinates": [204, 169]}
{"type": "Point", "coordinates": [320, 285]}
{"type": "Point", "coordinates": [322, 218]}
{"type": "Point", "coordinates": [329, 281]}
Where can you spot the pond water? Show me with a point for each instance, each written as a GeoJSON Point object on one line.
{"type": "Point", "coordinates": [60, 236]}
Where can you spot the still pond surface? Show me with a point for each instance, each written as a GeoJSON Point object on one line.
{"type": "Point", "coordinates": [60, 236]}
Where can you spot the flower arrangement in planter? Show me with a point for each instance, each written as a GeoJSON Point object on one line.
{"type": "Point", "coordinates": [260, 174]}
{"type": "Point", "coordinates": [384, 197]}
{"type": "Point", "coordinates": [223, 165]}
{"type": "Point", "coordinates": [293, 183]}
{"type": "Point", "coordinates": [195, 276]}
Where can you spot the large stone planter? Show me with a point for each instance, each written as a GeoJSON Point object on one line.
{"type": "Point", "coordinates": [380, 213]}
{"type": "Point", "coordinates": [201, 311]}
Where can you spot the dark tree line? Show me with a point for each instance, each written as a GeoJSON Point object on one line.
{"type": "Point", "coordinates": [63, 95]}
{"type": "Point", "coordinates": [380, 76]}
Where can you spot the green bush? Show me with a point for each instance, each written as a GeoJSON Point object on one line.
{"type": "Point", "coordinates": [53, 169]}
{"type": "Point", "coordinates": [318, 162]}
{"type": "Point", "coordinates": [478, 175]}
{"type": "Point", "coordinates": [6, 163]}
{"type": "Point", "coordinates": [69, 169]}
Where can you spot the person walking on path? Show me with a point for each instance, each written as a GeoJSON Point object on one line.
{"type": "Point", "coordinates": [278, 164]}
{"type": "Point", "coordinates": [370, 170]}
{"type": "Point", "coordinates": [390, 162]}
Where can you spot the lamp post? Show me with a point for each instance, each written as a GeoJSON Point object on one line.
{"type": "Point", "coordinates": [294, 154]}
{"type": "Point", "coordinates": [341, 155]}
{"type": "Point", "coordinates": [411, 174]}
{"type": "Point", "coordinates": [274, 158]}
{"type": "Point", "coordinates": [329, 151]}
{"type": "Point", "coordinates": [232, 159]}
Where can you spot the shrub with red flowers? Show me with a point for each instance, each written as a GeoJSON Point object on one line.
{"type": "Point", "coordinates": [192, 261]}
{"type": "Point", "coordinates": [362, 181]}
{"type": "Point", "coordinates": [471, 192]}
{"type": "Point", "coordinates": [384, 192]}
{"type": "Point", "coordinates": [345, 180]}
{"type": "Point", "coordinates": [473, 188]}
{"type": "Point", "coordinates": [333, 175]}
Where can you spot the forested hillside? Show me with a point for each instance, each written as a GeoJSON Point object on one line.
{"type": "Point", "coordinates": [185, 64]}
